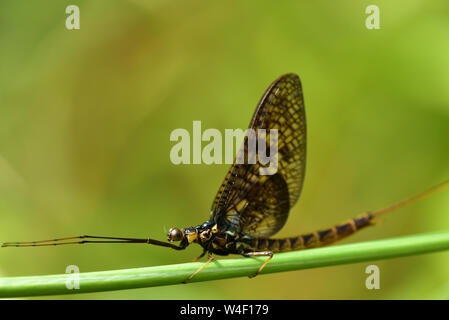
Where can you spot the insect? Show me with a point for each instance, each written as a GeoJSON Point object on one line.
{"type": "Point", "coordinates": [250, 207]}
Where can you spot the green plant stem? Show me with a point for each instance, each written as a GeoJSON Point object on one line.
{"type": "Point", "coordinates": [225, 268]}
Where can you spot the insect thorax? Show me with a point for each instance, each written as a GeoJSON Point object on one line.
{"type": "Point", "coordinates": [221, 242]}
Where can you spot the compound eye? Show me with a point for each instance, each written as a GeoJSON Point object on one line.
{"type": "Point", "coordinates": [174, 234]}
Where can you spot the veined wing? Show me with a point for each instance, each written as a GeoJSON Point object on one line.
{"type": "Point", "coordinates": [258, 204]}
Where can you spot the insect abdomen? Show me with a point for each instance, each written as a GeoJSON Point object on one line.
{"type": "Point", "coordinates": [314, 239]}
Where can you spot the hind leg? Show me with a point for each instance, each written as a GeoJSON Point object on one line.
{"type": "Point", "coordinates": [268, 254]}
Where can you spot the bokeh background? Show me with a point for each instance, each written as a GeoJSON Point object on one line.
{"type": "Point", "coordinates": [86, 115]}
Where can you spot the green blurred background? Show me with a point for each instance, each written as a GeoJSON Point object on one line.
{"type": "Point", "coordinates": [86, 115]}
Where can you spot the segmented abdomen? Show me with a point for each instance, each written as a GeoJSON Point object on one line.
{"type": "Point", "coordinates": [315, 239]}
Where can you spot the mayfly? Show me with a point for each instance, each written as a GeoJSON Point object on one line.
{"type": "Point", "coordinates": [251, 207]}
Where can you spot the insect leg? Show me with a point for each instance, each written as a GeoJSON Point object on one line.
{"type": "Point", "coordinates": [211, 258]}
{"type": "Point", "coordinates": [63, 241]}
{"type": "Point", "coordinates": [200, 256]}
{"type": "Point", "coordinates": [81, 240]}
{"type": "Point", "coordinates": [259, 254]}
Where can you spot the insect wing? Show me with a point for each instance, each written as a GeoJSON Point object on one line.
{"type": "Point", "coordinates": [257, 204]}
